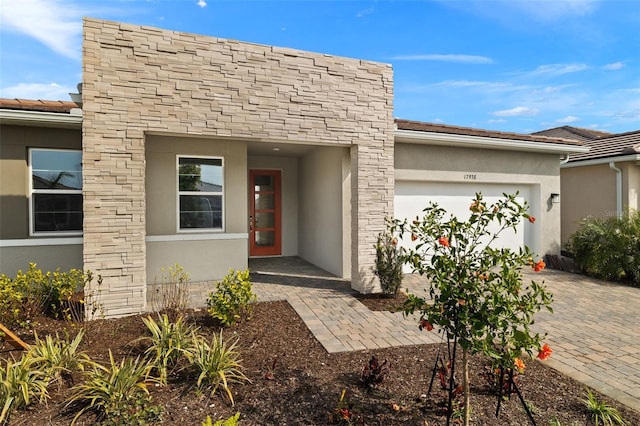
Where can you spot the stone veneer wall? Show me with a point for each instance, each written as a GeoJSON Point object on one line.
{"type": "Point", "coordinates": [139, 80]}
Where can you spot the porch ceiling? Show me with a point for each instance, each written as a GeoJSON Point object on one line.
{"type": "Point", "coordinates": [278, 149]}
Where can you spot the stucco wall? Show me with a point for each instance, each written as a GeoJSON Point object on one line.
{"type": "Point", "coordinates": [64, 254]}
{"type": "Point", "coordinates": [139, 80]}
{"type": "Point", "coordinates": [631, 185]}
{"type": "Point", "coordinates": [321, 208]}
{"type": "Point", "coordinates": [161, 180]}
{"type": "Point", "coordinates": [14, 171]}
{"type": "Point", "coordinates": [586, 191]}
{"type": "Point", "coordinates": [537, 173]}
{"type": "Point", "coordinates": [288, 167]}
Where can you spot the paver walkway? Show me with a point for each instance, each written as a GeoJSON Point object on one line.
{"type": "Point", "coordinates": [594, 330]}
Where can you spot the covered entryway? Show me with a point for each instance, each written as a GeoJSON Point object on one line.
{"type": "Point", "coordinates": [411, 197]}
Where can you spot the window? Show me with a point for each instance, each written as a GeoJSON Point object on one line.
{"type": "Point", "coordinates": [56, 191]}
{"type": "Point", "coordinates": [200, 192]}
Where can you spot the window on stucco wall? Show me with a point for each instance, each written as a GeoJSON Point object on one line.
{"type": "Point", "coordinates": [200, 193]}
{"type": "Point", "coordinates": [55, 201]}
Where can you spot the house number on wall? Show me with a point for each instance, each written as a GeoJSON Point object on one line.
{"type": "Point", "coordinates": [470, 177]}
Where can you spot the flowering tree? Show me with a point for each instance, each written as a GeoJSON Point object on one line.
{"type": "Point", "coordinates": [477, 295]}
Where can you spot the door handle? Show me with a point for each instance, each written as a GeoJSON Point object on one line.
{"type": "Point", "coordinates": [250, 223]}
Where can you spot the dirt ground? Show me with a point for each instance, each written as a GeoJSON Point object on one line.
{"type": "Point", "coordinates": [294, 381]}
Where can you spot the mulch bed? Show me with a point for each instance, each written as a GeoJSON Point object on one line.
{"type": "Point", "coordinates": [294, 381]}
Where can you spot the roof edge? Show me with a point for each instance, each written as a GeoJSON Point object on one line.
{"type": "Point", "coordinates": [598, 161]}
{"type": "Point", "coordinates": [467, 141]}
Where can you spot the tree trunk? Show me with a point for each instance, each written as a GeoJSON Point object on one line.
{"type": "Point", "coordinates": [465, 384]}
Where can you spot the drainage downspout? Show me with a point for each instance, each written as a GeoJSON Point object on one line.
{"type": "Point", "coordinates": [613, 167]}
{"type": "Point", "coordinates": [564, 160]}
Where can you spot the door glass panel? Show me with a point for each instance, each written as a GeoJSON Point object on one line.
{"type": "Point", "coordinates": [264, 201]}
{"type": "Point", "coordinates": [263, 183]}
{"type": "Point", "coordinates": [265, 220]}
{"type": "Point", "coordinates": [265, 238]}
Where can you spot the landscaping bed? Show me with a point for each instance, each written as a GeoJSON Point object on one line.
{"type": "Point", "coordinates": [294, 381]}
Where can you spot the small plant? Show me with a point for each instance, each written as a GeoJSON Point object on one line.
{"type": "Point", "coordinates": [389, 263]}
{"type": "Point", "coordinates": [118, 393]}
{"type": "Point", "coordinates": [344, 413]}
{"type": "Point", "coordinates": [373, 372]}
{"type": "Point", "coordinates": [169, 341]}
{"type": "Point", "coordinates": [20, 383]}
{"type": "Point", "coordinates": [59, 358]}
{"type": "Point", "coordinates": [601, 412]}
{"type": "Point", "coordinates": [171, 294]}
{"type": "Point", "coordinates": [217, 364]}
{"type": "Point", "coordinates": [232, 299]}
{"type": "Point", "coordinates": [231, 421]}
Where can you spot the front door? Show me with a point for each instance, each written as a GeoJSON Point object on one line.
{"type": "Point", "coordinates": [264, 213]}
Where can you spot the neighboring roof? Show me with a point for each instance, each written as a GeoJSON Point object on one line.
{"type": "Point", "coordinates": [39, 105]}
{"type": "Point", "coordinates": [570, 132]}
{"type": "Point", "coordinates": [618, 145]}
{"type": "Point", "coordinates": [24, 112]}
{"type": "Point", "coordinates": [468, 131]}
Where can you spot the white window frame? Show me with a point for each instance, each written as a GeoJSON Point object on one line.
{"type": "Point", "coordinates": [32, 191]}
{"type": "Point", "coordinates": [179, 193]}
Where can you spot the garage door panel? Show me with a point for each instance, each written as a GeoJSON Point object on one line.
{"type": "Point", "coordinates": [411, 198]}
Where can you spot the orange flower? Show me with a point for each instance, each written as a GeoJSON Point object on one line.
{"type": "Point", "coordinates": [518, 363]}
{"type": "Point", "coordinates": [476, 207]}
{"type": "Point", "coordinates": [444, 241]}
{"type": "Point", "coordinates": [462, 302]}
{"type": "Point", "coordinates": [426, 324]}
{"type": "Point", "coordinates": [539, 266]}
{"type": "Point", "coordinates": [414, 237]}
{"type": "Point", "coordinates": [545, 352]}
{"type": "Point", "coordinates": [394, 241]}
{"type": "Point", "coordinates": [532, 219]}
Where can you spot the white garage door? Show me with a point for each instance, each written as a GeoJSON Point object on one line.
{"type": "Point", "coordinates": [412, 197]}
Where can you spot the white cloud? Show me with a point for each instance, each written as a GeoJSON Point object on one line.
{"type": "Point", "coordinates": [517, 111]}
{"type": "Point", "coordinates": [558, 69]}
{"type": "Point", "coordinates": [613, 66]}
{"type": "Point", "coordinates": [468, 59]}
{"type": "Point", "coordinates": [202, 3]}
{"type": "Point", "coordinates": [497, 120]}
{"type": "Point", "coordinates": [437, 120]}
{"type": "Point", "coordinates": [567, 119]}
{"type": "Point", "coordinates": [364, 12]}
{"type": "Point", "coordinates": [547, 10]}
{"type": "Point", "coordinates": [48, 91]}
{"type": "Point", "coordinates": [56, 24]}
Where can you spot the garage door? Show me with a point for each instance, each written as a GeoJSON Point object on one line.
{"type": "Point", "coordinates": [412, 197]}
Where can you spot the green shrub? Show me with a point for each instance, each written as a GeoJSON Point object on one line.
{"type": "Point", "coordinates": [601, 412]}
{"type": "Point", "coordinates": [231, 421]}
{"type": "Point", "coordinates": [388, 263]}
{"type": "Point", "coordinates": [169, 341]}
{"type": "Point", "coordinates": [118, 394]}
{"type": "Point", "coordinates": [608, 248]}
{"type": "Point", "coordinates": [20, 383]}
{"type": "Point", "coordinates": [217, 364]}
{"type": "Point", "coordinates": [59, 358]}
{"type": "Point", "coordinates": [232, 299]}
{"type": "Point", "coordinates": [56, 294]}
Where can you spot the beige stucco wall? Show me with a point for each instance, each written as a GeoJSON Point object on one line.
{"type": "Point", "coordinates": [321, 208]}
{"type": "Point", "coordinates": [537, 172]}
{"type": "Point", "coordinates": [586, 191]}
{"type": "Point", "coordinates": [141, 80]}
{"type": "Point", "coordinates": [14, 171]}
{"type": "Point", "coordinates": [65, 254]}
{"type": "Point", "coordinates": [288, 167]}
{"type": "Point", "coordinates": [631, 185]}
{"type": "Point", "coordinates": [161, 180]}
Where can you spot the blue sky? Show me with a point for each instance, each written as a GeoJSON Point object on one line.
{"type": "Point", "coordinates": [510, 65]}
